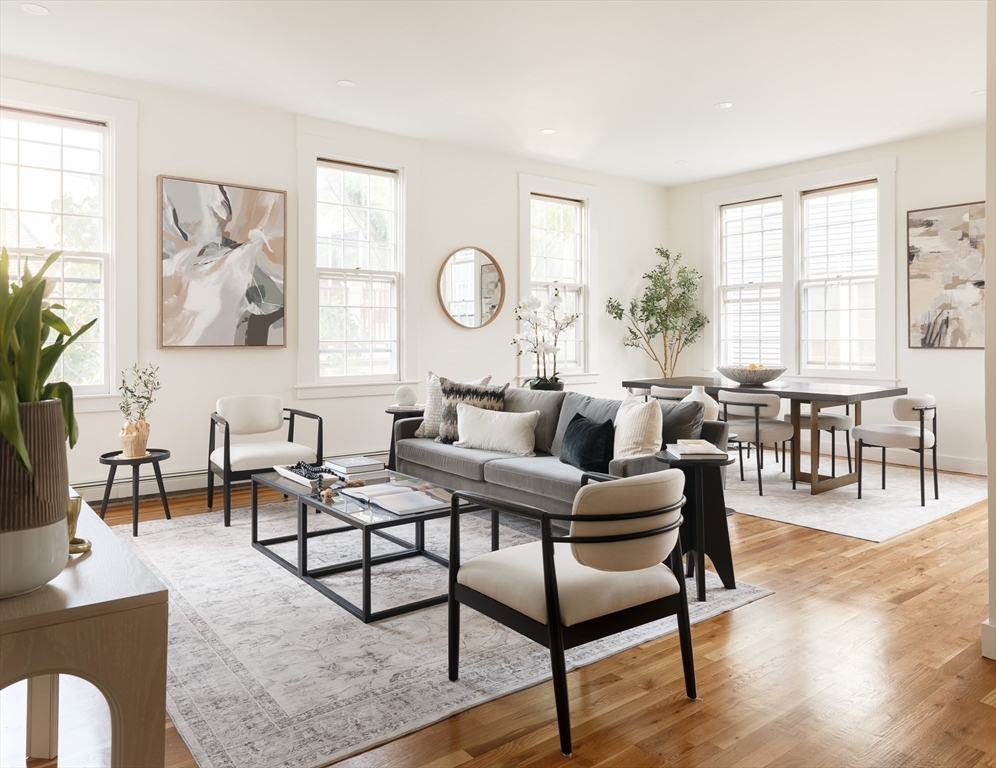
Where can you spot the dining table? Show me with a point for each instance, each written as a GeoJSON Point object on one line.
{"type": "Point", "coordinates": [818, 394]}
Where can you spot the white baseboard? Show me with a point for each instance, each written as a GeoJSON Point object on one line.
{"type": "Point", "coordinates": [907, 458]}
{"type": "Point", "coordinates": [989, 640]}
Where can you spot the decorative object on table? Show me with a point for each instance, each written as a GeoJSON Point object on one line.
{"type": "Point", "coordinates": [544, 323]}
{"type": "Point", "coordinates": [309, 475]}
{"type": "Point", "coordinates": [405, 397]}
{"type": "Point", "coordinates": [454, 393]}
{"type": "Point", "coordinates": [699, 395]}
{"type": "Point", "coordinates": [470, 287]}
{"type": "Point", "coordinates": [136, 399]}
{"type": "Point", "coordinates": [328, 494]}
{"type": "Point", "coordinates": [36, 418]}
{"type": "Point", "coordinates": [752, 375]}
{"type": "Point", "coordinates": [666, 309]}
{"type": "Point", "coordinates": [354, 483]}
{"type": "Point", "coordinates": [222, 254]}
{"type": "Point", "coordinates": [116, 459]}
{"type": "Point", "coordinates": [77, 546]}
{"type": "Point", "coordinates": [434, 404]}
{"type": "Point", "coordinates": [946, 276]}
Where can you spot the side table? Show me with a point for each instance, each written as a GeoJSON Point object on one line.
{"type": "Point", "coordinates": [401, 412]}
{"type": "Point", "coordinates": [114, 460]}
{"type": "Point", "coordinates": [709, 534]}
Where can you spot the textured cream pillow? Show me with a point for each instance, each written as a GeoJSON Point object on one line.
{"type": "Point", "coordinates": [434, 404]}
{"type": "Point", "coordinates": [496, 430]}
{"type": "Point", "coordinates": [638, 428]}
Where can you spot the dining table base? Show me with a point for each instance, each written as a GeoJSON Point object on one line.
{"type": "Point", "coordinates": [822, 483]}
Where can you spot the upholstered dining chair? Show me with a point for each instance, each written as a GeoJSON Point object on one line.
{"type": "Point", "coordinates": [914, 438]}
{"type": "Point", "coordinates": [671, 394]}
{"type": "Point", "coordinates": [253, 415]}
{"type": "Point", "coordinates": [755, 421]}
{"type": "Point", "coordinates": [832, 423]}
{"type": "Point", "coordinates": [618, 567]}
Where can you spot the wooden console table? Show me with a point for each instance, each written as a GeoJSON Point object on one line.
{"type": "Point", "coordinates": [104, 619]}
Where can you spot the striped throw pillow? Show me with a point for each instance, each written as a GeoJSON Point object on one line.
{"type": "Point", "coordinates": [454, 393]}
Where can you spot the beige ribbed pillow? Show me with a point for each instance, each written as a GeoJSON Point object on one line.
{"type": "Point", "coordinates": [638, 428]}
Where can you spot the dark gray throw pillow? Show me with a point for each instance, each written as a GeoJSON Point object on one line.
{"type": "Point", "coordinates": [682, 421]}
{"type": "Point", "coordinates": [588, 444]}
{"type": "Point", "coordinates": [454, 393]}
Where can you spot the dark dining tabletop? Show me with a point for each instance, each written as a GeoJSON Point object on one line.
{"type": "Point", "coordinates": [805, 390]}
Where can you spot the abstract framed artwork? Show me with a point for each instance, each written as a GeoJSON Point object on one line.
{"type": "Point", "coordinates": [946, 257]}
{"type": "Point", "coordinates": [222, 264]}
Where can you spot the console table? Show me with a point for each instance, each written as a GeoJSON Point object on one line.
{"type": "Point", "coordinates": [102, 619]}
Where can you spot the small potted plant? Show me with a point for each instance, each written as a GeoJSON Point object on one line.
{"type": "Point", "coordinates": [544, 324]}
{"type": "Point", "coordinates": [136, 399]}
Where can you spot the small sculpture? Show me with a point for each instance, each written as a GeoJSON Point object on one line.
{"type": "Point", "coordinates": [327, 495]}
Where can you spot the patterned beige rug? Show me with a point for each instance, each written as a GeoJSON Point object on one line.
{"type": "Point", "coordinates": [265, 671]}
{"type": "Point", "coordinates": [879, 515]}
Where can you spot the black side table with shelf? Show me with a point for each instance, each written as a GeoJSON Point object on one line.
{"type": "Point", "coordinates": [114, 459]}
{"type": "Point", "coordinates": [401, 412]}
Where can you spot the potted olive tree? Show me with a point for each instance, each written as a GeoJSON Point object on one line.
{"type": "Point", "coordinates": [36, 418]}
{"type": "Point", "coordinates": [137, 396]}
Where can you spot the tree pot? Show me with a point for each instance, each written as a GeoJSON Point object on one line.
{"type": "Point", "coordinates": [554, 386]}
{"type": "Point", "coordinates": [134, 439]}
{"type": "Point", "coordinates": [34, 540]}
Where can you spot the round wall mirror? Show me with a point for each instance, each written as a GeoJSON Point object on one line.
{"type": "Point", "coordinates": [471, 287]}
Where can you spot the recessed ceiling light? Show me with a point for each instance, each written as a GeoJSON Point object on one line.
{"type": "Point", "coordinates": [724, 105]}
{"type": "Point", "coordinates": [980, 92]}
{"type": "Point", "coordinates": [681, 162]}
{"type": "Point", "coordinates": [547, 131]}
{"type": "Point", "coordinates": [345, 83]}
{"type": "Point", "coordinates": [34, 8]}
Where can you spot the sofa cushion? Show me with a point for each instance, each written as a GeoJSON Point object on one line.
{"type": "Point", "coordinates": [262, 455]}
{"type": "Point", "coordinates": [587, 444]}
{"type": "Point", "coordinates": [541, 475]}
{"type": "Point", "coordinates": [434, 404]}
{"type": "Point", "coordinates": [547, 402]}
{"type": "Point", "coordinates": [638, 427]}
{"type": "Point", "coordinates": [465, 462]}
{"type": "Point", "coordinates": [496, 430]}
{"type": "Point", "coordinates": [479, 396]}
{"type": "Point", "coordinates": [682, 421]}
{"type": "Point", "coordinates": [595, 408]}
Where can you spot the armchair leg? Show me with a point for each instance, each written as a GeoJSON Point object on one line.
{"type": "Point", "coordinates": [560, 689]}
{"type": "Point", "coordinates": [210, 487]}
{"type": "Point", "coordinates": [454, 639]}
{"type": "Point", "coordinates": [740, 453]}
{"type": "Point", "coordinates": [883, 468]}
{"type": "Point", "coordinates": [228, 498]}
{"type": "Point", "coordinates": [923, 495]}
{"type": "Point", "coordinates": [760, 466]}
{"type": "Point", "coordinates": [783, 455]}
{"type": "Point", "coordinates": [935, 471]}
{"type": "Point", "coordinates": [685, 641]}
{"type": "Point", "coordinates": [793, 442]}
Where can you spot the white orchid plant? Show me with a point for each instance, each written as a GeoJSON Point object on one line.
{"type": "Point", "coordinates": [543, 323]}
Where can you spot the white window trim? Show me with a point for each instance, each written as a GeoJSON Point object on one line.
{"type": "Point", "coordinates": [790, 189]}
{"type": "Point", "coordinates": [588, 196]}
{"type": "Point", "coordinates": [321, 140]}
{"type": "Point", "coordinates": [121, 117]}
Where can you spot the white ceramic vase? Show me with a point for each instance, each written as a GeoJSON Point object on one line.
{"type": "Point", "coordinates": [31, 558]}
{"type": "Point", "coordinates": [699, 396]}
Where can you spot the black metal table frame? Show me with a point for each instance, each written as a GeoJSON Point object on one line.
{"type": "Point", "coordinates": [367, 560]}
{"type": "Point", "coordinates": [114, 460]}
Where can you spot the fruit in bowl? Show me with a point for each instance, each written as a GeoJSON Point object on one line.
{"type": "Point", "coordinates": [753, 374]}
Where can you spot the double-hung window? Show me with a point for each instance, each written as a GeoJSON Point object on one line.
{"type": "Point", "coordinates": [54, 195]}
{"type": "Point", "coordinates": [358, 259]}
{"type": "Point", "coordinates": [557, 252]}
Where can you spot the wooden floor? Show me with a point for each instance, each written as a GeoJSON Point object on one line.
{"type": "Point", "coordinates": [866, 655]}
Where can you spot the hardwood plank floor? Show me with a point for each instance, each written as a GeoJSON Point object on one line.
{"type": "Point", "coordinates": [866, 655]}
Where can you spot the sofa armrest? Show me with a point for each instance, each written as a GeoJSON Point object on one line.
{"type": "Point", "coordinates": [404, 428]}
{"type": "Point", "coordinates": [717, 433]}
{"type": "Point", "coordinates": [630, 466]}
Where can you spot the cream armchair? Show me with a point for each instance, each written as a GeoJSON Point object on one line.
{"type": "Point", "coordinates": [253, 415]}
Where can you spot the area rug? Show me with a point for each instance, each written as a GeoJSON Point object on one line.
{"type": "Point", "coordinates": [879, 514]}
{"type": "Point", "coordinates": [265, 671]}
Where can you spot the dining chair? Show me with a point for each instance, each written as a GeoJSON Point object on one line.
{"type": "Point", "coordinates": [253, 415]}
{"type": "Point", "coordinates": [756, 423]}
{"type": "Point", "coordinates": [914, 438]}
{"type": "Point", "coordinates": [832, 423]}
{"type": "Point", "coordinates": [617, 567]}
{"type": "Point", "coordinates": [672, 394]}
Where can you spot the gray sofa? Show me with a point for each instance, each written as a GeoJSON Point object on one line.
{"type": "Point", "coordinates": [541, 480]}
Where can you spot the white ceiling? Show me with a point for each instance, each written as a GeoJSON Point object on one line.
{"type": "Point", "coordinates": [630, 87]}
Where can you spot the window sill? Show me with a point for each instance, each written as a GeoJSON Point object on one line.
{"type": "Point", "coordinates": [372, 389]}
{"type": "Point", "coordinates": [96, 403]}
{"type": "Point", "coordinates": [575, 379]}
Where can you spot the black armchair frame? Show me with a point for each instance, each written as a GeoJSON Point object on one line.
{"type": "Point", "coordinates": [553, 635]}
{"type": "Point", "coordinates": [933, 428]}
{"type": "Point", "coordinates": [225, 472]}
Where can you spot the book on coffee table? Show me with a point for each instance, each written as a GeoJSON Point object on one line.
{"type": "Point", "coordinates": [695, 449]}
{"type": "Point", "coordinates": [403, 498]}
{"type": "Point", "coordinates": [351, 465]}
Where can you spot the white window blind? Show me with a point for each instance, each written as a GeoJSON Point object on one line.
{"type": "Point", "coordinates": [54, 195]}
{"type": "Point", "coordinates": [359, 273]}
{"type": "Point", "coordinates": [838, 278]}
{"type": "Point", "coordinates": [557, 249]}
{"type": "Point", "coordinates": [751, 281]}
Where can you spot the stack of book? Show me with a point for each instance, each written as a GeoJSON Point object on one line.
{"type": "Point", "coordinates": [695, 449]}
{"type": "Point", "coordinates": [359, 468]}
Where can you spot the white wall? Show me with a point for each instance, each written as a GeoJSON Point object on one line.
{"type": "Point", "coordinates": [936, 170]}
{"type": "Point", "coordinates": [467, 197]}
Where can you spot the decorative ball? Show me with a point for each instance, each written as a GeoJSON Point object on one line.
{"type": "Point", "coordinates": [405, 396]}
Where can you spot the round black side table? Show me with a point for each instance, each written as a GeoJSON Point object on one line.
{"type": "Point", "coordinates": [704, 482]}
{"type": "Point", "coordinates": [115, 460]}
{"type": "Point", "coordinates": [401, 412]}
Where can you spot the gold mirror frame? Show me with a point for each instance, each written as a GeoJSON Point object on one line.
{"type": "Point", "coordinates": [501, 282]}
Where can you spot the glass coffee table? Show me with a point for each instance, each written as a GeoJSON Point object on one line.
{"type": "Point", "coordinates": [354, 515]}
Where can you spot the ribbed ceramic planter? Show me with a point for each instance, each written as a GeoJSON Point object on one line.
{"type": "Point", "coordinates": [34, 538]}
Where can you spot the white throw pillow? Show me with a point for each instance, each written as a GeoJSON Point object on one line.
{"type": "Point", "coordinates": [638, 428]}
{"type": "Point", "coordinates": [496, 430]}
{"type": "Point", "coordinates": [434, 404]}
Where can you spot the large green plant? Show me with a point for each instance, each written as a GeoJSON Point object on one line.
{"type": "Point", "coordinates": [666, 309]}
{"type": "Point", "coordinates": [26, 362]}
